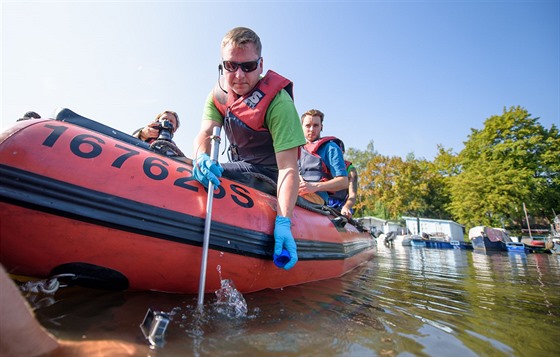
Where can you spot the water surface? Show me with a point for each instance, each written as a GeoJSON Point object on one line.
{"type": "Point", "coordinates": [405, 302]}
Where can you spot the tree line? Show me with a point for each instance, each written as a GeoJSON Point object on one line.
{"type": "Point", "coordinates": [513, 160]}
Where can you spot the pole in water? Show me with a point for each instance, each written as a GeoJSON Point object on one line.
{"type": "Point", "coordinates": [206, 240]}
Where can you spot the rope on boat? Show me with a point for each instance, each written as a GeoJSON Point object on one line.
{"type": "Point", "coordinates": [352, 221]}
{"type": "Point", "coordinates": [313, 207]}
{"type": "Point", "coordinates": [270, 189]}
{"type": "Point", "coordinates": [167, 148]}
{"type": "Point", "coordinates": [46, 286]}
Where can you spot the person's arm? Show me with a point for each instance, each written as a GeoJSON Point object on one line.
{"type": "Point", "coordinates": [20, 334]}
{"type": "Point", "coordinates": [206, 170]}
{"type": "Point", "coordinates": [137, 133]}
{"type": "Point", "coordinates": [211, 118]}
{"type": "Point", "coordinates": [150, 131]}
{"type": "Point", "coordinates": [202, 140]}
{"type": "Point", "coordinates": [288, 181]}
{"type": "Point", "coordinates": [352, 192]}
{"type": "Point", "coordinates": [23, 336]}
{"type": "Point", "coordinates": [335, 184]}
{"type": "Point", "coordinates": [184, 159]}
{"type": "Point", "coordinates": [283, 122]}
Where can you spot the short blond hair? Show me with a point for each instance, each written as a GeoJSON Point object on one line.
{"type": "Point", "coordinates": [240, 37]}
{"type": "Point", "coordinates": [313, 113]}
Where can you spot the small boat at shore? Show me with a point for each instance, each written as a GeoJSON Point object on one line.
{"type": "Point", "coordinates": [553, 239]}
{"type": "Point", "coordinates": [516, 247]}
{"type": "Point", "coordinates": [535, 244]}
{"type": "Point", "coordinates": [86, 201]}
{"type": "Point", "coordinates": [553, 246]}
{"type": "Point", "coordinates": [440, 242]}
{"type": "Point", "coordinates": [488, 238]}
{"type": "Point", "coordinates": [407, 239]}
{"type": "Point", "coordinates": [417, 243]}
{"type": "Point", "coordinates": [450, 244]}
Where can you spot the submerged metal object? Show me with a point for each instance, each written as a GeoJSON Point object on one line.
{"type": "Point", "coordinates": [154, 326]}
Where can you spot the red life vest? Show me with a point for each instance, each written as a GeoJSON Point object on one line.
{"type": "Point", "coordinates": [244, 117]}
{"type": "Point", "coordinates": [311, 166]}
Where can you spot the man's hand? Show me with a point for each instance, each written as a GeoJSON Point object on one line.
{"type": "Point", "coordinates": [283, 239]}
{"type": "Point", "coordinates": [346, 212]}
{"type": "Point", "coordinates": [205, 170]}
{"type": "Point", "coordinates": [150, 131]}
{"type": "Point", "coordinates": [307, 187]}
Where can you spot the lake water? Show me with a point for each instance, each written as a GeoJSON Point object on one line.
{"type": "Point", "coordinates": [407, 301]}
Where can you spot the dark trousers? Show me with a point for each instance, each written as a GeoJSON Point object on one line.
{"type": "Point", "coordinates": [261, 177]}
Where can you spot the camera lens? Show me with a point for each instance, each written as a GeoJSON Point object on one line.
{"type": "Point", "coordinates": [165, 130]}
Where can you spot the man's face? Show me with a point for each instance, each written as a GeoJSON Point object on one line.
{"type": "Point", "coordinates": [311, 127]}
{"type": "Point", "coordinates": [238, 81]}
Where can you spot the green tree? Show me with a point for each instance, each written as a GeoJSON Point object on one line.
{"type": "Point", "coordinates": [392, 187]}
{"type": "Point", "coordinates": [379, 180]}
{"type": "Point", "coordinates": [446, 163]}
{"type": "Point", "coordinates": [360, 158]}
{"type": "Point", "coordinates": [445, 166]}
{"type": "Point", "coordinates": [512, 160]}
{"type": "Point", "coordinates": [437, 196]}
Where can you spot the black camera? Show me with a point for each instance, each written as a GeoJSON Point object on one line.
{"type": "Point", "coordinates": [165, 130]}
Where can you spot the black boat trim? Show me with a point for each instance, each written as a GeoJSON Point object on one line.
{"type": "Point", "coordinates": [66, 115]}
{"type": "Point", "coordinates": [40, 193]}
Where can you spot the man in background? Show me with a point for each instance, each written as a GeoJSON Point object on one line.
{"type": "Point", "coordinates": [321, 165]}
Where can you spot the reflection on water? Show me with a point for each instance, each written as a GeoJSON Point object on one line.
{"type": "Point", "coordinates": [406, 301]}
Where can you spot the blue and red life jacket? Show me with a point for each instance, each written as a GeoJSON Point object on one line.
{"type": "Point", "coordinates": [311, 166]}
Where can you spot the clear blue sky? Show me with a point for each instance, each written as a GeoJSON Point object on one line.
{"type": "Point", "coordinates": [407, 75]}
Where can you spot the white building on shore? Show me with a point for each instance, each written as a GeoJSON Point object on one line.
{"type": "Point", "coordinates": [381, 225]}
{"type": "Point", "coordinates": [435, 227]}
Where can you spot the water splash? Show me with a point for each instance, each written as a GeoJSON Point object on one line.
{"type": "Point", "coordinates": [230, 307]}
{"type": "Point", "coordinates": [230, 302]}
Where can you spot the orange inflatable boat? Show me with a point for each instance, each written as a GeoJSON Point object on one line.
{"type": "Point", "coordinates": [84, 200]}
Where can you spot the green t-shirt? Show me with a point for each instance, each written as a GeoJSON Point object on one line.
{"type": "Point", "coordinates": [281, 119]}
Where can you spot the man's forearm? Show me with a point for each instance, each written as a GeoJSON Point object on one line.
{"type": "Point", "coordinates": [350, 202]}
{"type": "Point", "coordinates": [20, 333]}
{"type": "Point", "coordinates": [352, 189]}
{"type": "Point", "coordinates": [201, 145]}
{"type": "Point", "coordinates": [335, 184]}
{"type": "Point", "coordinates": [288, 182]}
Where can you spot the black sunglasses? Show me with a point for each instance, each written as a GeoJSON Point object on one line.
{"type": "Point", "coordinates": [231, 66]}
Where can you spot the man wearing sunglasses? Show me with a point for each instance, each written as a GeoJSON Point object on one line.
{"type": "Point", "coordinates": [261, 124]}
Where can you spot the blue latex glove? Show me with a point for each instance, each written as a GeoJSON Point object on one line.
{"type": "Point", "coordinates": [283, 239]}
{"type": "Point", "coordinates": [206, 170]}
